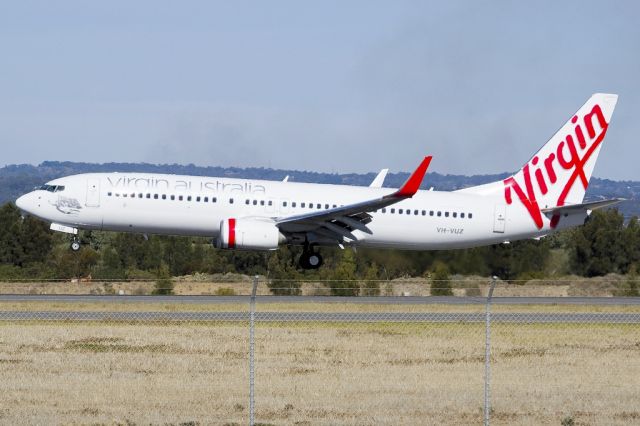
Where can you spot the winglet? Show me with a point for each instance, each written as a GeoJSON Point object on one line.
{"type": "Point", "coordinates": [412, 184]}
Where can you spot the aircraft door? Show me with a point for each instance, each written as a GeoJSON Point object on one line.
{"type": "Point", "coordinates": [499, 218]}
{"type": "Point", "coordinates": [93, 193]}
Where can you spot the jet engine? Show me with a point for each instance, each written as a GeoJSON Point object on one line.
{"type": "Point", "coordinates": [249, 234]}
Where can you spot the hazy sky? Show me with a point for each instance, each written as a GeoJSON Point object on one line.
{"type": "Point", "coordinates": [327, 86]}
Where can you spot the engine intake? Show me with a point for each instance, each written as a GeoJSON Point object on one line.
{"type": "Point", "coordinates": [249, 234]}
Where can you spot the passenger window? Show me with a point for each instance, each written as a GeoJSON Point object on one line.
{"type": "Point", "coordinates": [262, 202]}
{"type": "Point", "coordinates": [117, 194]}
{"type": "Point", "coordinates": [173, 197]}
{"type": "Point", "coordinates": [439, 213]}
{"type": "Point", "coordinates": [400, 211]}
{"type": "Point", "coordinates": [247, 201]}
{"type": "Point", "coordinates": [284, 204]}
{"type": "Point", "coordinates": [455, 214]}
{"type": "Point", "coordinates": [124, 195]}
{"type": "Point", "coordinates": [334, 206]}
{"type": "Point", "coordinates": [271, 203]}
{"type": "Point", "coordinates": [214, 199]}
{"type": "Point", "coordinates": [255, 202]}
{"type": "Point", "coordinates": [198, 198]}
{"type": "Point", "coordinates": [188, 197]}
{"type": "Point", "coordinates": [164, 196]}
{"type": "Point", "coordinates": [326, 206]}
{"type": "Point", "coordinates": [148, 195]}
{"type": "Point", "coordinates": [155, 196]}
{"type": "Point", "coordinates": [424, 212]}
{"type": "Point", "coordinates": [384, 210]}
{"type": "Point", "coordinates": [293, 204]}
{"type": "Point", "coordinates": [109, 194]}
{"type": "Point", "coordinates": [180, 198]}
{"type": "Point", "coordinates": [206, 199]}
{"type": "Point", "coordinates": [318, 206]}
{"type": "Point", "coordinates": [408, 211]}
{"type": "Point", "coordinates": [446, 214]}
{"type": "Point", "coordinates": [230, 200]}
{"type": "Point", "coordinates": [303, 205]}
{"type": "Point", "coordinates": [310, 205]}
{"type": "Point", "coordinates": [141, 195]}
{"type": "Point", "coordinates": [393, 210]}
{"type": "Point", "coordinates": [430, 212]}
{"type": "Point", "coordinates": [462, 215]}
{"type": "Point", "coordinates": [470, 215]}
{"type": "Point", "coordinates": [415, 212]}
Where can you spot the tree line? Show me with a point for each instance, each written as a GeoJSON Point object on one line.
{"type": "Point", "coordinates": [29, 250]}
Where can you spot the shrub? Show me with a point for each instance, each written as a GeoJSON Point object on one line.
{"type": "Point", "coordinates": [225, 291]}
{"type": "Point", "coordinates": [164, 283]}
{"type": "Point", "coordinates": [440, 281]}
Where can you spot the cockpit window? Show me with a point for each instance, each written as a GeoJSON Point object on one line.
{"type": "Point", "coordinates": [51, 188]}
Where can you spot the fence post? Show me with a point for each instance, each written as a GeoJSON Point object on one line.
{"type": "Point", "coordinates": [252, 343]}
{"type": "Point", "coordinates": [487, 352]}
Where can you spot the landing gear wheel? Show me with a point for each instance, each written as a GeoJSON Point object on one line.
{"type": "Point", "coordinates": [310, 260]}
{"type": "Point", "coordinates": [314, 260]}
{"type": "Point", "coordinates": [75, 245]}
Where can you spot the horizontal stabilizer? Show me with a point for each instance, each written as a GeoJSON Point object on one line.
{"type": "Point", "coordinates": [379, 180]}
{"type": "Point", "coordinates": [582, 207]}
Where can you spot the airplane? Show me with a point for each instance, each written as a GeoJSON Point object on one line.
{"type": "Point", "coordinates": [545, 195]}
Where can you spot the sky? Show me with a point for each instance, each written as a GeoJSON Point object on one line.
{"type": "Point", "coordinates": [330, 86]}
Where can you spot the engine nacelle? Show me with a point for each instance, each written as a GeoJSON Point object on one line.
{"type": "Point", "coordinates": [249, 234]}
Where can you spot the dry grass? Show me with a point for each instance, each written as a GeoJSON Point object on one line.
{"type": "Point", "coordinates": [242, 285]}
{"type": "Point", "coordinates": [317, 373]}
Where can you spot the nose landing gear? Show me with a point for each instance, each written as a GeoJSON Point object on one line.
{"type": "Point", "coordinates": [75, 244]}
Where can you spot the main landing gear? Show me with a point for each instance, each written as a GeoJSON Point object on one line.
{"type": "Point", "coordinates": [310, 259]}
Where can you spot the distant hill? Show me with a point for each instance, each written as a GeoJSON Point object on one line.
{"type": "Point", "coordinates": [18, 179]}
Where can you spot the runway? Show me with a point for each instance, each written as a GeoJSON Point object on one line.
{"type": "Point", "coordinates": [373, 317]}
{"type": "Point", "coordinates": [391, 300]}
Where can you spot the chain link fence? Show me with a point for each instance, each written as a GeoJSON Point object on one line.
{"type": "Point", "coordinates": [251, 358]}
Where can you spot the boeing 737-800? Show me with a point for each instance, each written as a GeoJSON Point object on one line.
{"type": "Point", "coordinates": [545, 195]}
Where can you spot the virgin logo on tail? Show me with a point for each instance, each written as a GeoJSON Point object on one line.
{"type": "Point", "coordinates": [571, 154]}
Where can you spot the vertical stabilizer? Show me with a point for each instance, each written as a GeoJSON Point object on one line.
{"type": "Point", "coordinates": [558, 174]}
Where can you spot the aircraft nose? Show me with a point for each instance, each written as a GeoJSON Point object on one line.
{"type": "Point", "coordinates": [23, 203]}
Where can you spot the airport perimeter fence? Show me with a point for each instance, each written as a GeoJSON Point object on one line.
{"type": "Point", "coordinates": [318, 359]}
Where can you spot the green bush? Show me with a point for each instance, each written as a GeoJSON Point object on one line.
{"type": "Point", "coordinates": [164, 283]}
{"type": "Point", "coordinates": [225, 291]}
{"type": "Point", "coordinates": [440, 281]}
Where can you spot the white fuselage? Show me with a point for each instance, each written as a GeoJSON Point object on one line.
{"type": "Point", "coordinates": [196, 206]}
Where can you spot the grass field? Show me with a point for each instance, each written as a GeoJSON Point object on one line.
{"type": "Point", "coordinates": [316, 373]}
{"type": "Point", "coordinates": [242, 285]}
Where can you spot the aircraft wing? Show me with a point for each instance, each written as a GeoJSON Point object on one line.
{"type": "Point", "coordinates": [339, 222]}
{"type": "Point", "coordinates": [572, 208]}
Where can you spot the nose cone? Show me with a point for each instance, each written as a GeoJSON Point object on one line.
{"type": "Point", "coordinates": [23, 203]}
